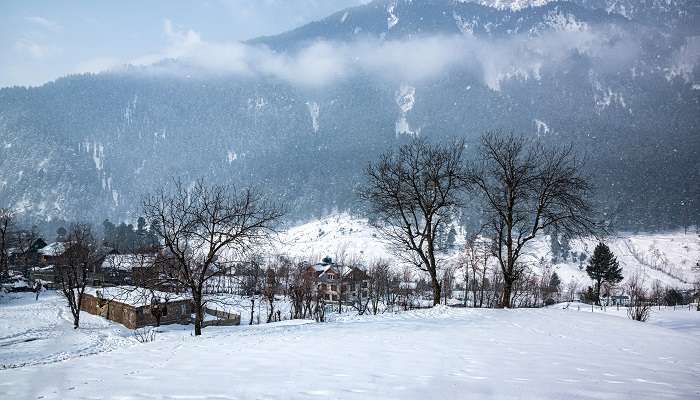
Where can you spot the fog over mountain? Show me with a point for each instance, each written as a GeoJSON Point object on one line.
{"type": "Point", "coordinates": [301, 113]}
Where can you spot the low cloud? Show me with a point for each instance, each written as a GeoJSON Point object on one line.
{"type": "Point", "coordinates": [411, 60]}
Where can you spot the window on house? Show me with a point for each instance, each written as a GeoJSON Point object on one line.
{"type": "Point", "coordinates": [165, 310]}
{"type": "Point", "coordinates": [333, 288]}
{"type": "Point", "coordinates": [364, 285]}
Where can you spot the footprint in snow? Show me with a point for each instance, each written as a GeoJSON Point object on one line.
{"type": "Point", "coordinates": [319, 392]}
{"type": "Point", "coordinates": [567, 380]}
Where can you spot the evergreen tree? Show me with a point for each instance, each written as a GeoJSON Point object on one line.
{"type": "Point", "coordinates": [61, 234]}
{"type": "Point", "coordinates": [141, 225]}
{"type": "Point", "coordinates": [603, 268]}
{"type": "Point", "coordinates": [451, 237]}
{"type": "Point", "coordinates": [555, 247]}
{"type": "Point", "coordinates": [565, 248]}
{"type": "Point", "coordinates": [108, 228]}
{"type": "Point", "coordinates": [554, 283]}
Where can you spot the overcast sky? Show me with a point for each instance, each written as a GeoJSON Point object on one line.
{"type": "Point", "coordinates": [42, 40]}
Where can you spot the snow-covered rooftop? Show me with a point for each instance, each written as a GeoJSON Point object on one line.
{"type": "Point", "coordinates": [133, 295]}
{"type": "Point", "coordinates": [53, 249]}
{"type": "Point", "coordinates": [127, 262]}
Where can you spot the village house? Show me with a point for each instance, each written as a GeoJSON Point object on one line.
{"type": "Point", "coordinates": [355, 283]}
{"type": "Point", "coordinates": [329, 277]}
{"type": "Point", "coordinates": [51, 253]}
{"type": "Point", "coordinates": [45, 269]}
{"type": "Point", "coordinates": [136, 307]}
{"type": "Point", "coordinates": [616, 300]}
{"type": "Point", "coordinates": [325, 278]}
{"type": "Point", "coordinates": [51, 257]}
{"type": "Point", "coordinates": [125, 269]}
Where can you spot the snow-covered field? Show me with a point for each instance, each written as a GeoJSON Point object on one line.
{"type": "Point", "coordinates": [37, 332]}
{"type": "Point", "coordinates": [437, 353]}
{"type": "Point", "coordinates": [666, 257]}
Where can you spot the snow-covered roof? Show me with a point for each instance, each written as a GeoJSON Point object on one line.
{"type": "Point", "coordinates": [127, 262]}
{"type": "Point", "coordinates": [321, 267]}
{"type": "Point", "coordinates": [53, 249]}
{"type": "Point", "coordinates": [133, 295]}
{"type": "Point", "coordinates": [346, 270]}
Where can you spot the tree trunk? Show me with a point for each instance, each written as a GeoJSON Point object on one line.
{"type": "Point", "coordinates": [436, 291]}
{"type": "Point", "coordinates": [507, 291]}
{"type": "Point", "coordinates": [198, 315]}
{"type": "Point", "coordinates": [252, 310]}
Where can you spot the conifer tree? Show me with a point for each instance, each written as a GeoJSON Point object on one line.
{"type": "Point", "coordinates": [554, 283]}
{"type": "Point", "coordinates": [603, 268]}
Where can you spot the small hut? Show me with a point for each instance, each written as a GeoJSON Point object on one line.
{"type": "Point", "coordinates": [136, 307]}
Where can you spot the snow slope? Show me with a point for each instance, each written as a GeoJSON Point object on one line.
{"type": "Point", "coordinates": [436, 353]}
{"type": "Point", "coordinates": [334, 234]}
{"type": "Point", "coordinates": [666, 257]}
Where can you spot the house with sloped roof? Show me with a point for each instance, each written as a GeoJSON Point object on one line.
{"type": "Point", "coordinates": [120, 269]}
{"type": "Point", "coordinates": [50, 253]}
{"type": "Point", "coordinates": [339, 282]}
{"type": "Point", "coordinates": [136, 307]}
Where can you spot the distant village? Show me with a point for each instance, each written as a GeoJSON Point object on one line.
{"type": "Point", "coordinates": [120, 284]}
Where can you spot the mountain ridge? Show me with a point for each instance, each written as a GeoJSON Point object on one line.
{"type": "Point", "coordinates": [89, 146]}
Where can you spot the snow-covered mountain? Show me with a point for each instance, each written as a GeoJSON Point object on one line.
{"type": "Point", "coordinates": [619, 79]}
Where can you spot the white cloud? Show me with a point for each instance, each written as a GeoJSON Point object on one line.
{"type": "Point", "coordinates": [321, 63]}
{"type": "Point", "coordinates": [324, 62]}
{"type": "Point", "coordinates": [34, 49]}
{"type": "Point", "coordinates": [44, 23]}
{"type": "Point", "coordinates": [98, 64]}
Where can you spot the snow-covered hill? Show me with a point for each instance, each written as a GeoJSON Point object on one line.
{"type": "Point", "coordinates": [666, 257]}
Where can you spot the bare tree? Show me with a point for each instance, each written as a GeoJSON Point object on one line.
{"type": "Point", "coordinates": [657, 292]}
{"type": "Point", "coordinates": [74, 266]}
{"type": "Point", "coordinates": [640, 307]}
{"type": "Point", "coordinates": [572, 289]}
{"type": "Point", "coordinates": [205, 230]}
{"type": "Point", "coordinates": [474, 260]}
{"type": "Point", "coordinates": [300, 291]}
{"type": "Point", "coordinates": [6, 223]}
{"type": "Point", "coordinates": [377, 285]}
{"type": "Point", "coordinates": [25, 242]}
{"type": "Point", "coordinates": [411, 194]}
{"type": "Point", "coordinates": [448, 278]}
{"type": "Point", "coordinates": [270, 289]}
{"type": "Point", "coordinates": [341, 258]}
{"type": "Point", "coordinates": [527, 188]}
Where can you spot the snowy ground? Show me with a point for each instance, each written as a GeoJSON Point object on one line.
{"type": "Point", "coordinates": [38, 332]}
{"type": "Point", "coordinates": [424, 354]}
